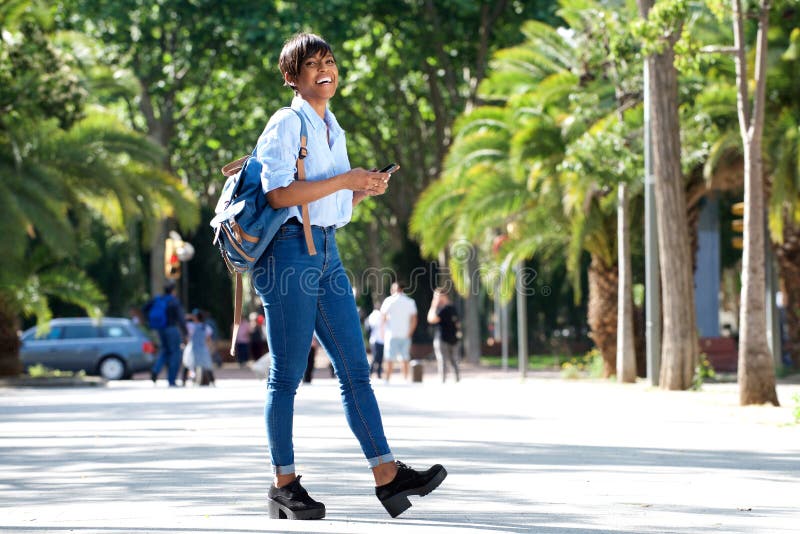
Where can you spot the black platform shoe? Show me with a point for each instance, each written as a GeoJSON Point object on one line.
{"type": "Point", "coordinates": [292, 502]}
{"type": "Point", "coordinates": [394, 495]}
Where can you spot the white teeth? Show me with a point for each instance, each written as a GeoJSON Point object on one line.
{"type": "Point", "coordinates": [324, 80]}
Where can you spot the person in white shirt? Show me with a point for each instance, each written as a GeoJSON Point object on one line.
{"type": "Point", "coordinates": [400, 319]}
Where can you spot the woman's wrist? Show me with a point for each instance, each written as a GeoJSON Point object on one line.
{"type": "Point", "coordinates": [358, 196]}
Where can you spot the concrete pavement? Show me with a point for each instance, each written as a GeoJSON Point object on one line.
{"type": "Point", "coordinates": [546, 455]}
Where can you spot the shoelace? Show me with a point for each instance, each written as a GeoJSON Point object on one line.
{"type": "Point", "coordinates": [297, 491]}
{"type": "Point", "coordinates": [401, 465]}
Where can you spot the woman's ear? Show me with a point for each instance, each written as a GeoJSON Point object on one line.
{"type": "Point", "coordinates": [289, 79]}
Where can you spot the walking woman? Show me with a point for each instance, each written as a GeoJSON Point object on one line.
{"type": "Point", "coordinates": [305, 292]}
{"type": "Point", "coordinates": [444, 317]}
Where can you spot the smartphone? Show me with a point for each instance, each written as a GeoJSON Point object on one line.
{"type": "Point", "coordinates": [390, 168]}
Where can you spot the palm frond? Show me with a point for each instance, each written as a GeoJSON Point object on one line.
{"type": "Point", "coordinates": [728, 145]}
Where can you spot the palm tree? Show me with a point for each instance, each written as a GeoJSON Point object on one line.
{"type": "Point", "coordinates": [54, 182]}
{"type": "Point", "coordinates": [520, 168]}
{"type": "Point", "coordinates": [59, 171]}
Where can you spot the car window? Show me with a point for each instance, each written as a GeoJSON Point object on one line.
{"type": "Point", "coordinates": [114, 331]}
{"type": "Point", "coordinates": [79, 331]}
{"type": "Point", "coordinates": [54, 333]}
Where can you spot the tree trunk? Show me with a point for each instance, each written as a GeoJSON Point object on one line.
{"type": "Point", "coordinates": [788, 254]}
{"type": "Point", "coordinates": [157, 274]}
{"type": "Point", "coordinates": [626, 353]}
{"type": "Point", "coordinates": [160, 128]}
{"type": "Point", "coordinates": [756, 367]}
{"type": "Point", "coordinates": [679, 350]}
{"type": "Point", "coordinates": [10, 363]}
{"type": "Point", "coordinates": [603, 312]}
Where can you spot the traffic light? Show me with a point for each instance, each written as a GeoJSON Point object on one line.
{"type": "Point", "coordinates": [737, 225]}
{"type": "Point", "coordinates": [172, 264]}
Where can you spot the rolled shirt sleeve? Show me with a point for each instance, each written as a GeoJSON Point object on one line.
{"type": "Point", "coordinates": [276, 154]}
{"type": "Point", "coordinates": [277, 150]}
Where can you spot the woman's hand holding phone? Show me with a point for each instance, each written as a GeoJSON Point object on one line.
{"type": "Point", "coordinates": [390, 168]}
{"type": "Point", "coordinates": [383, 180]}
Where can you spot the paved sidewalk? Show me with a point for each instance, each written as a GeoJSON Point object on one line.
{"type": "Point", "coordinates": [546, 455]}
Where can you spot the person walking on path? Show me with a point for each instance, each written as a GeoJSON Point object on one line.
{"type": "Point", "coordinates": [243, 338]}
{"type": "Point", "coordinates": [375, 328]}
{"type": "Point", "coordinates": [308, 293]}
{"type": "Point", "coordinates": [400, 320]}
{"type": "Point", "coordinates": [188, 358]}
{"type": "Point", "coordinates": [444, 317]}
{"type": "Point", "coordinates": [200, 335]}
{"type": "Point", "coordinates": [165, 315]}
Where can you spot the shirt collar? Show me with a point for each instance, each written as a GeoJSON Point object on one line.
{"type": "Point", "coordinates": [314, 120]}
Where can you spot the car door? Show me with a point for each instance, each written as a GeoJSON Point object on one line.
{"type": "Point", "coordinates": [41, 350]}
{"type": "Point", "coordinates": [117, 339]}
{"type": "Point", "coordinates": [79, 347]}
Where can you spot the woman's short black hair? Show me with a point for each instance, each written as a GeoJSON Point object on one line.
{"type": "Point", "coordinates": [299, 48]}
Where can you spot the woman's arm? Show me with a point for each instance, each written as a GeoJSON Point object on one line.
{"type": "Point", "coordinates": [433, 315]}
{"type": "Point", "coordinates": [302, 192]}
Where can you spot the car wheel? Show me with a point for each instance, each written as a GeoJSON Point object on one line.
{"type": "Point", "coordinates": [112, 368]}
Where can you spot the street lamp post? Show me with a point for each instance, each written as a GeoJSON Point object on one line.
{"type": "Point", "coordinates": [651, 261]}
{"type": "Point", "coordinates": [522, 321]}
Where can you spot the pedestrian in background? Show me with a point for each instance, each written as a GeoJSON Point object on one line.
{"type": "Point", "coordinates": [187, 372]}
{"type": "Point", "coordinates": [258, 337]}
{"type": "Point", "coordinates": [374, 326]}
{"type": "Point", "coordinates": [307, 293]}
{"type": "Point", "coordinates": [399, 322]}
{"type": "Point", "coordinates": [243, 343]}
{"type": "Point", "coordinates": [165, 316]}
{"type": "Point", "coordinates": [216, 357]}
{"type": "Point", "coordinates": [442, 314]}
{"type": "Point", "coordinates": [200, 335]}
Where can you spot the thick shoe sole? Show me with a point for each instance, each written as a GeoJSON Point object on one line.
{"type": "Point", "coordinates": [397, 504]}
{"type": "Point", "coordinates": [279, 511]}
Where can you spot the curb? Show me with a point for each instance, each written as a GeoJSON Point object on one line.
{"type": "Point", "coordinates": [52, 382]}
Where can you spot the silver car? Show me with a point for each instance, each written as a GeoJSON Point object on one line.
{"type": "Point", "coordinates": [113, 348]}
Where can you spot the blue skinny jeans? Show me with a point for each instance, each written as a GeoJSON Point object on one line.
{"type": "Point", "coordinates": [304, 294]}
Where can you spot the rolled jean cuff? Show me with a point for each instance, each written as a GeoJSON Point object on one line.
{"type": "Point", "coordinates": [283, 469]}
{"type": "Point", "coordinates": [383, 459]}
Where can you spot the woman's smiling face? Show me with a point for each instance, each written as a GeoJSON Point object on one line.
{"type": "Point", "coordinates": [318, 78]}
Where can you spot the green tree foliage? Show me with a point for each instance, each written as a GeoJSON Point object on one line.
{"type": "Point", "coordinates": [408, 69]}
{"type": "Point", "coordinates": [63, 165]}
{"type": "Point", "coordinates": [532, 174]}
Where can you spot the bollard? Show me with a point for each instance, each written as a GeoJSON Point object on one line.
{"type": "Point", "coordinates": [416, 370]}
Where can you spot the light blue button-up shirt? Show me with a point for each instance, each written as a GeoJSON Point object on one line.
{"type": "Point", "coordinates": [277, 150]}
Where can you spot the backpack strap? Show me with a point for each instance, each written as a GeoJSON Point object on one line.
{"type": "Point", "coordinates": [233, 168]}
{"type": "Point", "coordinates": [301, 175]}
{"type": "Point", "coordinates": [237, 312]}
